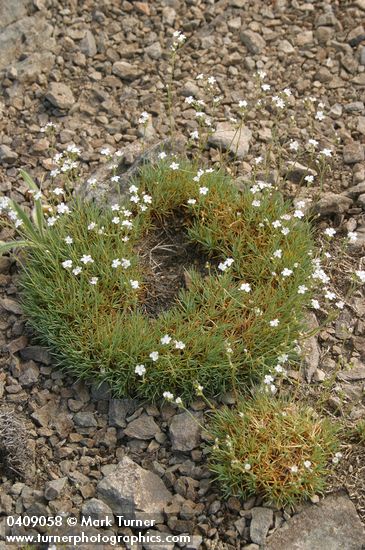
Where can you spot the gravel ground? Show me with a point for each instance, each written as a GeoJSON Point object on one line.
{"type": "Point", "coordinates": [91, 68]}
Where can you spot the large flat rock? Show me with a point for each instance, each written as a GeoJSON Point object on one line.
{"type": "Point", "coordinates": [333, 524]}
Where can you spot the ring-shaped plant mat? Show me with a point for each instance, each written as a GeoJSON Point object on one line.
{"type": "Point", "coordinates": [217, 333]}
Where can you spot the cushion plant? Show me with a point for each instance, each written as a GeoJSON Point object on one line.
{"type": "Point", "coordinates": [86, 283]}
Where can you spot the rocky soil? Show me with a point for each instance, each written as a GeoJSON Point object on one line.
{"type": "Point", "coordinates": [91, 68]}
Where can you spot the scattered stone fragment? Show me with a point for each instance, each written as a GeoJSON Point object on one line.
{"type": "Point", "coordinates": [53, 489]}
{"type": "Point", "coordinates": [60, 95]}
{"type": "Point", "coordinates": [253, 41]}
{"type": "Point", "coordinates": [29, 375]}
{"type": "Point", "coordinates": [126, 71]}
{"type": "Point", "coordinates": [227, 137]}
{"type": "Point", "coordinates": [96, 509]}
{"type": "Point", "coordinates": [331, 203]}
{"type": "Point", "coordinates": [353, 152]}
{"type": "Point", "coordinates": [310, 348]}
{"type": "Point", "coordinates": [354, 373]}
{"type": "Point", "coordinates": [185, 432]}
{"type": "Point", "coordinates": [261, 522]}
{"type": "Point", "coordinates": [119, 409]}
{"type": "Point", "coordinates": [322, 526]}
{"type": "Point", "coordinates": [7, 155]}
{"type": "Point", "coordinates": [85, 420]}
{"type": "Point", "coordinates": [129, 489]}
{"type": "Point", "coordinates": [88, 44]}
{"type": "Point", "coordinates": [11, 305]}
{"type": "Point", "coordinates": [36, 353]}
{"type": "Point", "coordinates": [143, 427]}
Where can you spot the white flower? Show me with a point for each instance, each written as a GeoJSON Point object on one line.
{"type": "Point", "coordinates": [330, 295]}
{"type": "Point", "coordinates": [115, 178]}
{"type": "Point", "coordinates": [302, 289]}
{"type": "Point", "coordinates": [298, 214]}
{"type": "Point", "coordinates": [77, 270]}
{"type": "Point", "coordinates": [203, 190]}
{"type": "Point", "coordinates": [294, 469]}
{"type": "Point", "coordinates": [279, 369]}
{"type": "Point", "coordinates": [86, 259]}
{"type": "Point", "coordinates": [268, 379]}
{"type": "Point", "coordinates": [276, 224]}
{"type": "Point", "coordinates": [326, 152]}
{"type": "Point", "coordinates": [315, 304]}
{"type": "Point", "coordinates": [91, 226]}
{"type": "Point", "coordinates": [278, 253]}
{"type": "Point", "coordinates": [167, 395]}
{"type": "Point", "coordinates": [154, 355]}
{"type": "Point", "coordinates": [247, 467]}
{"type": "Point", "coordinates": [133, 189]}
{"type": "Point", "coordinates": [265, 87]}
{"type": "Point", "coordinates": [179, 344]}
{"type": "Point", "coordinates": [147, 199]}
{"type": "Point", "coordinates": [68, 239]}
{"type": "Point", "coordinates": [242, 104]}
{"type": "Point", "coordinates": [256, 203]}
{"type": "Point", "coordinates": [258, 160]}
{"type": "Point", "coordinates": [330, 232]}
{"type": "Point", "coordinates": [92, 182]}
{"type": "Point", "coordinates": [287, 92]}
{"type": "Point", "coordinates": [67, 264]}
{"type": "Point", "coordinates": [261, 74]}
{"type": "Point", "coordinates": [191, 201]}
{"type": "Point", "coordinates": [274, 323]}
{"type": "Point", "coordinates": [62, 208]}
{"type": "Point", "coordinates": [140, 370]}
{"type": "Point", "coordinates": [116, 220]}
{"type": "Point", "coordinates": [309, 179]}
{"type": "Point", "coordinates": [286, 272]}
{"type": "Point", "coordinates": [307, 464]}
{"type": "Point", "coordinates": [73, 149]}
{"type": "Point", "coordinates": [211, 80]}
{"type": "Point", "coordinates": [340, 304]}
{"type": "Point", "coordinates": [143, 118]}
{"type": "Point", "coordinates": [352, 236]}
{"type": "Point", "coordinates": [116, 263]}
{"type": "Point", "coordinates": [174, 166]}
{"type": "Point", "coordinates": [162, 155]}
{"type": "Point", "coordinates": [105, 151]}
{"type": "Point", "coordinates": [51, 221]}
{"type": "Point", "coordinates": [283, 358]}
{"type": "Point", "coordinates": [134, 284]}
{"type": "Point", "coordinates": [125, 263]}
{"type": "Point", "coordinates": [178, 401]}
{"type": "Point", "coordinates": [319, 115]}
{"type": "Point", "coordinates": [194, 134]}
{"type": "Point", "coordinates": [115, 207]}
{"type": "Point", "coordinates": [134, 198]}
{"type": "Point", "coordinates": [285, 230]}
{"type": "Point", "coordinates": [165, 339]}
{"type": "Point", "coordinates": [245, 287]}
{"type": "Point", "coordinates": [189, 100]}
{"type": "Point", "coordinates": [93, 280]}
{"type": "Point", "coordinates": [294, 145]}
{"type": "Point", "coordinates": [127, 223]}
{"type": "Point", "coordinates": [361, 275]}
{"type": "Point", "coordinates": [313, 142]}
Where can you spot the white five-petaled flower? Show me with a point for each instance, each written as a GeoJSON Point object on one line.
{"type": "Point", "coordinates": [315, 304]}
{"type": "Point", "coordinates": [67, 264]}
{"type": "Point", "coordinates": [326, 152]}
{"type": "Point", "coordinates": [51, 221]}
{"type": "Point", "coordinates": [116, 220]}
{"type": "Point", "coordinates": [178, 401]}
{"type": "Point", "coordinates": [203, 190]}
{"type": "Point", "coordinates": [246, 287]}
{"type": "Point", "coordinates": [294, 469]}
{"type": "Point", "coordinates": [242, 104]}
{"type": "Point", "coordinates": [62, 208]}
{"type": "Point", "coordinates": [179, 344]}
{"type": "Point", "coordinates": [168, 395]}
{"type": "Point", "coordinates": [330, 232]}
{"type": "Point", "coordinates": [302, 289]}
{"type": "Point", "coordinates": [274, 323]}
{"type": "Point", "coordinates": [162, 155]}
{"type": "Point", "coordinates": [174, 166]}
{"type": "Point", "coordinates": [115, 179]}
{"type": "Point", "coordinates": [86, 259]}
{"type": "Point", "coordinates": [286, 272]}
{"type": "Point", "coordinates": [361, 275]}
{"type": "Point", "coordinates": [336, 458]}
{"type": "Point", "coordinates": [165, 339]}
{"type": "Point", "coordinates": [247, 467]}
{"type": "Point", "coordinates": [94, 280]}
{"type": "Point", "coordinates": [191, 201]}
{"type": "Point", "coordinates": [91, 226]}
{"type": "Point", "coordinates": [116, 263]}
{"type": "Point", "coordinates": [68, 239]}
{"type": "Point", "coordinates": [319, 115]}
{"type": "Point", "coordinates": [134, 284]}
{"type": "Point", "coordinates": [352, 236]}
{"type": "Point", "coordinates": [307, 464]}
{"type": "Point", "coordinates": [105, 151]}
{"type": "Point", "coordinates": [77, 270]}
{"type": "Point", "coordinates": [154, 355]}
{"type": "Point", "coordinates": [140, 370]}
{"type": "Point", "coordinates": [143, 117]}
{"type": "Point", "coordinates": [194, 134]}
{"type": "Point", "coordinates": [309, 179]}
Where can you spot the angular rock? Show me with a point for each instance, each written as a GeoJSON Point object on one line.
{"type": "Point", "coordinates": [88, 44]}
{"type": "Point", "coordinates": [143, 427]}
{"type": "Point", "coordinates": [331, 203]}
{"type": "Point", "coordinates": [7, 155]}
{"type": "Point", "coordinates": [85, 420]}
{"type": "Point", "coordinates": [185, 432]}
{"type": "Point", "coordinates": [12, 11]}
{"type": "Point", "coordinates": [60, 96]}
{"type": "Point", "coordinates": [354, 373]}
{"type": "Point", "coordinates": [253, 41]}
{"type": "Point", "coordinates": [296, 172]}
{"type": "Point", "coordinates": [53, 489]}
{"type": "Point", "coordinates": [353, 153]}
{"type": "Point", "coordinates": [333, 524]}
{"type": "Point", "coordinates": [36, 353]}
{"type": "Point", "coordinates": [96, 509]}
{"type": "Point", "coordinates": [262, 519]}
{"type": "Point", "coordinates": [11, 305]}
{"type": "Point", "coordinates": [119, 409]}
{"type": "Point", "coordinates": [226, 137]}
{"type": "Point", "coordinates": [17, 344]}
{"type": "Point", "coordinates": [154, 50]}
{"type": "Point", "coordinates": [126, 71]}
{"type": "Point", "coordinates": [133, 491]}
{"type": "Point", "coordinates": [356, 190]}
{"type": "Point", "coordinates": [29, 375]}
